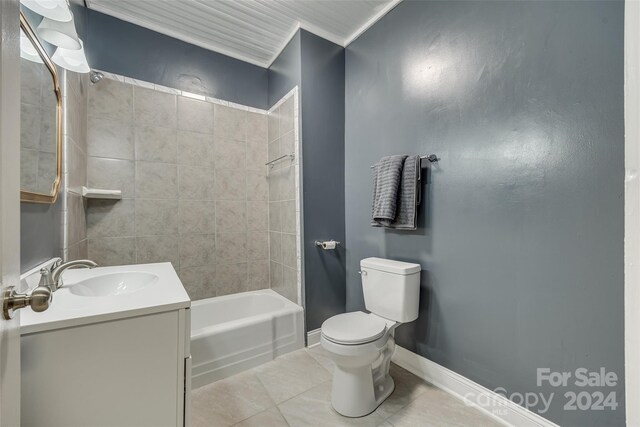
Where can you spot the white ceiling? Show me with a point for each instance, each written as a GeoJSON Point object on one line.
{"type": "Point", "coordinates": [255, 31]}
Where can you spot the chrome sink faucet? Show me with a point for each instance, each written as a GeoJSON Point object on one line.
{"type": "Point", "coordinates": [53, 277]}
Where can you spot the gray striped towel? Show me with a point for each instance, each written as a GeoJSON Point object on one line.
{"type": "Point", "coordinates": [387, 176]}
{"type": "Point", "coordinates": [406, 215]}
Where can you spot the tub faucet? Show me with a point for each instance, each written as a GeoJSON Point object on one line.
{"type": "Point", "coordinates": [53, 277]}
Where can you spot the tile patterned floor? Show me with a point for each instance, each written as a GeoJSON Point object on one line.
{"type": "Point", "coordinates": [295, 390]}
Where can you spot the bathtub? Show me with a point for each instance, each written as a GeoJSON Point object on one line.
{"type": "Point", "coordinates": [232, 333]}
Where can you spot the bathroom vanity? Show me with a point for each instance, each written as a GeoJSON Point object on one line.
{"type": "Point", "coordinates": [112, 350]}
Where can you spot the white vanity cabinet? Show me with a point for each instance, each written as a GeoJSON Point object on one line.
{"type": "Point", "coordinates": [116, 368]}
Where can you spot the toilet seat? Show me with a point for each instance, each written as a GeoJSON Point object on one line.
{"type": "Point", "coordinates": [354, 328]}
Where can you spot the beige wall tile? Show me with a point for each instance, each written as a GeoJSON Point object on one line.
{"type": "Point", "coordinates": [258, 216]}
{"type": "Point", "coordinates": [231, 247]}
{"type": "Point", "coordinates": [230, 185]}
{"type": "Point", "coordinates": [196, 182]}
{"type": "Point", "coordinates": [195, 148]}
{"type": "Point", "coordinates": [257, 156]}
{"type": "Point", "coordinates": [109, 138]}
{"type": "Point", "coordinates": [258, 246]}
{"type": "Point", "coordinates": [229, 123]}
{"type": "Point", "coordinates": [155, 108]}
{"type": "Point", "coordinates": [275, 276]}
{"type": "Point", "coordinates": [197, 250]}
{"type": "Point", "coordinates": [196, 217]}
{"type": "Point", "coordinates": [288, 216]}
{"type": "Point", "coordinates": [194, 115]}
{"type": "Point", "coordinates": [257, 128]}
{"type": "Point", "coordinates": [156, 180]}
{"type": "Point", "coordinates": [156, 217]}
{"type": "Point", "coordinates": [258, 275]}
{"type": "Point", "coordinates": [286, 116]}
{"type": "Point", "coordinates": [111, 99]}
{"type": "Point", "coordinates": [76, 216]}
{"type": "Point", "coordinates": [231, 278]}
{"type": "Point", "coordinates": [156, 144]}
{"type": "Point", "coordinates": [111, 174]}
{"type": "Point", "coordinates": [150, 249]}
{"type": "Point", "coordinates": [289, 254]}
{"type": "Point", "coordinates": [229, 154]}
{"type": "Point", "coordinates": [112, 250]}
{"type": "Point", "coordinates": [231, 216]}
{"type": "Point", "coordinates": [110, 218]}
{"type": "Point", "coordinates": [275, 217]}
{"type": "Point", "coordinates": [275, 247]}
{"type": "Point", "coordinates": [257, 186]}
{"type": "Point", "coordinates": [199, 282]}
{"type": "Point", "coordinates": [273, 124]}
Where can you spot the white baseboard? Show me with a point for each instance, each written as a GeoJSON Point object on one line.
{"type": "Point", "coordinates": [493, 404]}
{"type": "Point", "coordinates": [313, 338]}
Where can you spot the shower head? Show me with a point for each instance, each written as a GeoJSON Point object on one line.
{"type": "Point", "coordinates": [95, 76]}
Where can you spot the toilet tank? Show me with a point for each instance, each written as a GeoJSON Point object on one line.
{"type": "Point", "coordinates": [391, 288]}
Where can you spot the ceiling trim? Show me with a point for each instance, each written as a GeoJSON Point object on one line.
{"type": "Point", "coordinates": [344, 42]}
{"type": "Point", "coordinates": [375, 18]}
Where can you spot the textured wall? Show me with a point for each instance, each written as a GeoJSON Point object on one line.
{"type": "Point", "coordinates": [283, 200]}
{"type": "Point", "coordinates": [194, 187]}
{"type": "Point", "coordinates": [324, 180]}
{"type": "Point", "coordinates": [521, 234]}
{"type": "Point", "coordinates": [133, 51]}
{"type": "Point", "coordinates": [74, 241]}
{"type": "Point", "coordinates": [316, 66]}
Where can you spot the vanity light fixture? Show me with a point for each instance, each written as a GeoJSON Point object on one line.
{"type": "Point", "coordinates": [58, 10]}
{"type": "Point", "coordinates": [60, 34]}
{"type": "Point", "coordinates": [72, 60]}
{"type": "Point", "coordinates": [27, 50]}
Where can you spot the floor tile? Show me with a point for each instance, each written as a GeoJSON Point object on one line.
{"type": "Point", "coordinates": [229, 401]}
{"type": "Point", "coordinates": [437, 408]}
{"type": "Point", "coordinates": [322, 357]}
{"type": "Point", "coordinates": [290, 375]}
{"type": "Point", "coordinates": [313, 408]}
{"type": "Point", "coordinates": [269, 418]}
{"type": "Point", "coordinates": [407, 388]}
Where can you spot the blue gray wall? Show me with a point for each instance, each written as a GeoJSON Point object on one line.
{"type": "Point", "coordinates": [521, 234]}
{"type": "Point", "coordinates": [317, 66]}
{"type": "Point", "coordinates": [286, 71]}
{"type": "Point", "coordinates": [130, 50]}
{"type": "Point", "coordinates": [40, 233]}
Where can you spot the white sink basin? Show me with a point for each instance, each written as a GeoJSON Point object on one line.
{"type": "Point", "coordinates": [112, 284]}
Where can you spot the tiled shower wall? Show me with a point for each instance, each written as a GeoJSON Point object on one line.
{"type": "Point", "coordinates": [284, 225]}
{"type": "Point", "coordinates": [74, 155]}
{"type": "Point", "coordinates": [194, 186]}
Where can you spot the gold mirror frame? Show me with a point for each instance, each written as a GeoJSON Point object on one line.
{"type": "Point", "coordinates": [29, 196]}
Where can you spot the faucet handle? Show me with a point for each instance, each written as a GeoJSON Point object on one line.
{"type": "Point", "coordinates": [45, 277]}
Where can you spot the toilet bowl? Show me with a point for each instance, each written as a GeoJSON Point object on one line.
{"type": "Point", "coordinates": [361, 344]}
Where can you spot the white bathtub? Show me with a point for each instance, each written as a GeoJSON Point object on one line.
{"type": "Point", "coordinates": [232, 333]}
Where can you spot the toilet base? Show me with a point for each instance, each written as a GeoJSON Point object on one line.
{"type": "Point", "coordinates": [360, 386]}
{"type": "Point", "coordinates": [348, 385]}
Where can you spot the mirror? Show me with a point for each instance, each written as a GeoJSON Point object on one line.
{"type": "Point", "coordinates": [40, 121]}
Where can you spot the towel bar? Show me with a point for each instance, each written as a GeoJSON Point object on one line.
{"type": "Point", "coordinates": [423, 160]}
{"type": "Point", "coordinates": [270, 163]}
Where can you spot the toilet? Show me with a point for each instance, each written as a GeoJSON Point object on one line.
{"type": "Point", "coordinates": [361, 344]}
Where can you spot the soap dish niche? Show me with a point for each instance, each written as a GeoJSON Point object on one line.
{"type": "Point", "coordinates": [100, 193]}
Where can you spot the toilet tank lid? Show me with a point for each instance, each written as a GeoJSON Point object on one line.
{"type": "Point", "coordinates": [390, 266]}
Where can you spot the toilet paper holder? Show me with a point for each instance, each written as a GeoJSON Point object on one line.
{"type": "Point", "coordinates": [327, 244]}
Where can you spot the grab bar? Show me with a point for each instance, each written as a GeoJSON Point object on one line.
{"type": "Point", "coordinates": [270, 163]}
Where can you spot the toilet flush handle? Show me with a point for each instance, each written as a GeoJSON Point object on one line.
{"type": "Point", "coordinates": [362, 272]}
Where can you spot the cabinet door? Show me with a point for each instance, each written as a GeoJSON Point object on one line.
{"type": "Point", "coordinates": [117, 373]}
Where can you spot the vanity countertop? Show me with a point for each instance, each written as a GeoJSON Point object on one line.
{"type": "Point", "coordinates": [78, 306]}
